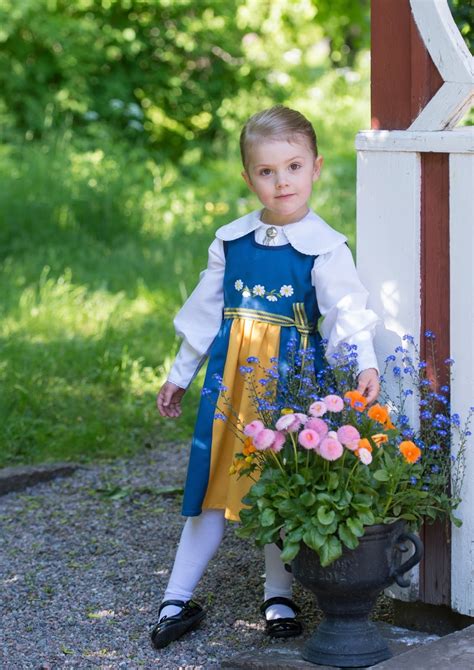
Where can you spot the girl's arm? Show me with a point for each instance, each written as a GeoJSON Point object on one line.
{"type": "Point", "coordinates": [200, 318]}
{"type": "Point", "coordinates": [342, 301]}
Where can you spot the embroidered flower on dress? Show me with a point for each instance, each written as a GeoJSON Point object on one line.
{"type": "Point", "coordinates": [259, 291]}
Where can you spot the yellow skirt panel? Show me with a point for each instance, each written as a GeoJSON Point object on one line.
{"type": "Point", "coordinates": [247, 338]}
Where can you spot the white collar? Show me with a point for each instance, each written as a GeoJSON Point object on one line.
{"type": "Point", "coordinates": [311, 235]}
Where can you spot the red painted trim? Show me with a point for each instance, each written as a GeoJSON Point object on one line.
{"type": "Point", "coordinates": [404, 77]}
{"type": "Point", "coordinates": [435, 572]}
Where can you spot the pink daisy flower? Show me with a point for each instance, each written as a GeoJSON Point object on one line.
{"type": "Point", "coordinates": [301, 417]}
{"type": "Point", "coordinates": [347, 434]}
{"type": "Point", "coordinates": [278, 442]}
{"type": "Point", "coordinates": [330, 449]}
{"type": "Point", "coordinates": [319, 425]}
{"type": "Point", "coordinates": [309, 439]}
{"type": "Point", "coordinates": [253, 428]}
{"type": "Point", "coordinates": [352, 446]}
{"type": "Point", "coordinates": [318, 408]}
{"type": "Point", "coordinates": [264, 439]}
{"type": "Point", "coordinates": [365, 456]}
{"type": "Point", "coordinates": [334, 403]}
{"type": "Point", "coordinates": [289, 422]}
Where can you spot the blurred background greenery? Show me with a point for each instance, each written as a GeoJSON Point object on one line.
{"type": "Point", "coordinates": [118, 159]}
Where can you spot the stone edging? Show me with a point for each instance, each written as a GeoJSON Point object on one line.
{"type": "Point", "coordinates": [19, 478]}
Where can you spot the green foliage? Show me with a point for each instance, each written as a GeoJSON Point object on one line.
{"type": "Point", "coordinates": [326, 517]}
{"type": "Point", "coordinates": [93, 267]}
{"type": "Point", "coordinates": [322, 481]}
{"type": "Point", "coordinates": [160, 73]}
{"type": "Point", "coordinates": [463, 16]}
{"type": "Point", "coordinates": [170, 74]}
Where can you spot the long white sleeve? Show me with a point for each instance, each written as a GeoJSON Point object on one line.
{"type": "Point", "coordinates": [199, 320]}
{"type": "Point", "coordinates": [342, 301]}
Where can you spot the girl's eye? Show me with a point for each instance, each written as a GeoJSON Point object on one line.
{"type": "Point", "coordinates": [264, 172]}
{"type": "Point", "coordinates": [295, 166]}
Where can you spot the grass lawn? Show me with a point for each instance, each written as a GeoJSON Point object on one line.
{"type": "Point", "coordinates": [99, 246]}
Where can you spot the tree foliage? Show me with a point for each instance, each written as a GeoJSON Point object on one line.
{"type": "Point", "coordinates": [167, 71]}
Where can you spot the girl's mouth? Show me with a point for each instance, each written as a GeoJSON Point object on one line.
{"type": "Point", "coordinates": [285, 195]}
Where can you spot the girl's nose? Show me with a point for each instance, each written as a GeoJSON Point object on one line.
{"type": "Point", "coordinates": [281, 179]}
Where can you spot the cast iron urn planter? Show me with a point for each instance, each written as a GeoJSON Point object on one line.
{"type": "Point", "coordinates": [346, 591]}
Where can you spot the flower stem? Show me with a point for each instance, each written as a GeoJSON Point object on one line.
{"type": "Point", "coordinates": [292, 437]}
{"type": "Point", "coordinates": [350, 474]}
{"type": "Point", "coordinates": [277, 460]}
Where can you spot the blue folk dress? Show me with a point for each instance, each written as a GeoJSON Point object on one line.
{"type": "Point", "coordinates": [268, 299]}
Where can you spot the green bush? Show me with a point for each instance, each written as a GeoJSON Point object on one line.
{"type": "Point", "coordinates": [159, 72]}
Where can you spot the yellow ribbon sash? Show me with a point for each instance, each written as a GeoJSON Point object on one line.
{"type": "Point", "coordinates": [300, 320]}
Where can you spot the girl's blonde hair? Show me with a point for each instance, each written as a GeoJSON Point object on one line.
{"type": "Point", "coordinates": [277, 123]}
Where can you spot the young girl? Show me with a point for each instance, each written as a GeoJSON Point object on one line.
{"type": "Point", "coordinates": [271, 274]}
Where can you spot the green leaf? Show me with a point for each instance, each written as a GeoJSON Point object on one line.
{"type": "Point", "coordinates": [269, 535]}
{"type": "Point", "coordinates": [333, 481]}
{"type": "Point", "coordinates": [328, 530]}
{"type": "Point", "coordinates": [259, 489]}
{"type": "Point", "coordinates": [367, 518]}
{"type": "Point", "coordinates": [457, 522]}
{"type": "Point", "coordinates": [325, 515]}
{"type": "Point", "coordinates": [286, 507]}
{"type": "Point", "coordinates": [381, 476]}
{"type": "Point", "coordinates": [355, 526]}
{"type": "Point", "coordinates": [324, 497]}
{"type": "Point", "coordinates": [362, 499]}
{"type": "Point", "coordinates": [347, 536]}
{"type": "Point", "coordinates": [262, 503]}
{"type": "Point", "coordinates": [314, 539]}
{"type": "Point", "coordinates": [296, 535]}
{"type": "Point", "coordinates": [289, 552]}
{"type": "Point", "coordinates": [330, 551]}
{"type": "Point", "coordinates": [297, 480]}
{"type": "Point", "coordinates": [308, 498]}
{"type": "Point", "coordinates": [268, 517]}
{"type": "Point", "coordinates": [397, 509]}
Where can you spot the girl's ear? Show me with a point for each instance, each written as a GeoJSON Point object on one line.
{"type": "Point", "coordinates": [318, 164]}
{"type": "Point", "coordinates": [247, 180]}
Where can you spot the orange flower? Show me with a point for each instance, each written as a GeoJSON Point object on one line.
{"type": "Point", "coordinates": [249, 447]}
{"type": "Point", "coordinates": [357, 400]}
{"type": "Point", "coordinates": [378, 413]}
{"type": "Point", "coordinates": [379, 438]}
{"type": "Point", "coordinates": [389, 425]}
{"type": "Point", "coordinates": [363, 444]}
{"type": "Point", "coordinates": [410, 451]}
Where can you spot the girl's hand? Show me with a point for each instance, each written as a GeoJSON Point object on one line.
{"type": "Point", "coordinates": [369, 384]}
{"type": "Point", "coordinates": [168, 400]}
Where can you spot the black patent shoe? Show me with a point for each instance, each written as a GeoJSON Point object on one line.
{"type": "Point", "coordinates": [171, 628]}
{"type": "Point", "coordinates": [284, 626]}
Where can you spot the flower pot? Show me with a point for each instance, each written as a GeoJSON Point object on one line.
{"type": "Point", "coordinates": [346, 591]}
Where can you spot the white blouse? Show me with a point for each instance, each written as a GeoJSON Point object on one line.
{"type": "Point", "coordinates": [341, 297]}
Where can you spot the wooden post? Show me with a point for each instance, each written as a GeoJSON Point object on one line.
{"type": "Point", "coordinates": [404, 79]}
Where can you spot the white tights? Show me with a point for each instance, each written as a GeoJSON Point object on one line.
{"type": "Point", "coordinates": [200, 540]}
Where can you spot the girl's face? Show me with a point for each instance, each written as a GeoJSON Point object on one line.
{"type": "Point", "coordinates": [282, 175]}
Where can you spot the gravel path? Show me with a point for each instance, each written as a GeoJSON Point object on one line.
{"type": "Point", "coordinates": [84, 561]}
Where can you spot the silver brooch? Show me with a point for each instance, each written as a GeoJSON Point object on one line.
{"type": "Point", "coordinates": [270, 235]}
